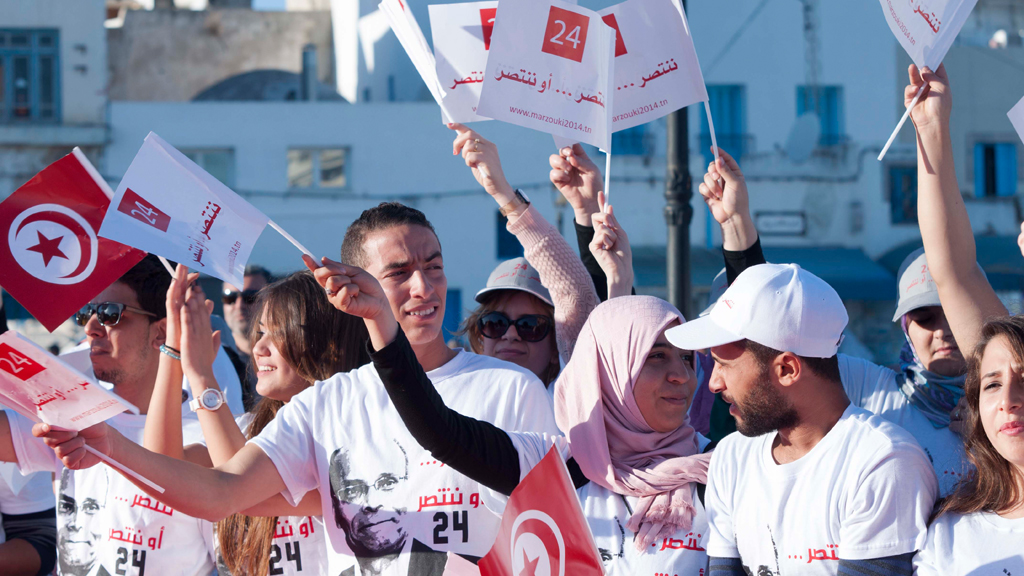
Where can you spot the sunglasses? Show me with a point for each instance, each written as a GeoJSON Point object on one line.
{"type": "Point", "coordinates": [229, 297]}
{"type": "Point", "coordinates": [530, 328]}
{"type": "Point", "coordinates": [107, 313]}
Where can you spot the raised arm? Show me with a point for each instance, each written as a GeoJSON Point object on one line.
{"type": "Point", "coordinates": [610, 248]}
{"type": "Point", "coordinates": [479, 450]}
{"type": "Point", "coordinates": [967, 297]}
{"type": "Point", "coordinates": [725, 192]}
{"type": "Point", "coordinates": [561, 271]}
{"type": "Point", "coordinates": [249, 478]}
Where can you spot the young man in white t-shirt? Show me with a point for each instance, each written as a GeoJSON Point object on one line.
{"type": "Point", "coordinates": [105, 525]}
{"type": "Point", "coordinates": [389, 507]}
{"type": "Point", "coordinates": [811, 484]}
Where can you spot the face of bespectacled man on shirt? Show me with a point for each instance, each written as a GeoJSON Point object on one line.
{"type": "Point", "coordinates": [365, 508]}
{"type": "Point", "coordinates": [79, 520]}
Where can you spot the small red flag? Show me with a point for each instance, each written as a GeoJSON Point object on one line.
{"type": "Point", "coordinates": [51, 260]}
{"type": "Point", "coordinates": [543, 531]}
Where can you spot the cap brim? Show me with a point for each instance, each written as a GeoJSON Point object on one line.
{"type": "Point", "coordinates": [543, 298]}
{"type": "Point", "coordinates": [700, 333]}
{"type": "Point", "coordinates": [914, 302]}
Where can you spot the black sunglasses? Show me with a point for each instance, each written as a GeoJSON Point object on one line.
{"type": "Point", "coordinates": [229, 297]}
{"type": "Point", "coordinates": [107, 313]}
{"type": "Point", "coordinates": [530, 328]}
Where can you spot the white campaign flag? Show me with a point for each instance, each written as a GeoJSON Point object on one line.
{"type": "Point", "coordinates": [656, 67]}
{"type": "Point", "coordinates": [42, 388]}
{"type": "Point", "coordinates": [409, 34]}
{"type": "Point", "coordinates": [462, 37]}
{"type": "Point", "coordinates": [169, 206]}
{"type": "Point", "coordinates": [1016, 115]}
{"type": "Point", "coordinates": [550, 68]}
{"type": "Point", "coordinates": [926, 28]}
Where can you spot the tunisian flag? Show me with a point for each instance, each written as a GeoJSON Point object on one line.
{"type": "Point", "coordinates": [52, 261]}
{"type": "Point", "coordinates": [543, 531]}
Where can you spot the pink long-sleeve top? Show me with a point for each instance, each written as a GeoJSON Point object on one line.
{"type": "Point", "coordinates": [561, 272]}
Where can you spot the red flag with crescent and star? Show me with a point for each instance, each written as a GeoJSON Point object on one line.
{"type": "Point", "coordinates": [543, 531]}
{"type": "Point", "coordinates": [51, 260]}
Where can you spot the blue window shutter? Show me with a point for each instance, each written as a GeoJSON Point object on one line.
{"type": "Point", "coordinates": [979, 170]}
{"type": "Point", "coordinates": [728, 109]}
{"type": "Point", "coordinates": [1006, 169]}
{"type": "Point", "coordinates": [508, 245]}
{"type": "Point", "coordinates": [452, 313]}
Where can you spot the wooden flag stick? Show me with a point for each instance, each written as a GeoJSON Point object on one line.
{"type": "Point", "coordinates": [902, 122]}
{"type": "Point", "coordinates": [123, 468]}
{"type": "Point", "coordinates": [291, 239]}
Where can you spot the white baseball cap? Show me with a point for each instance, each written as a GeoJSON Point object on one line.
{"type": "Point", "coordinates": [516, 274]}
{"type": "Point", "coordinates": [917, 288]}
{"type": "Point", "coordinates": [781, 306]}
{"type": "Point", "coordinates": [718, 286]}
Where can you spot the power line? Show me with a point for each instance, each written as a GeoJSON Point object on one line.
{"type": "Point", "coordinates": [736, 36]}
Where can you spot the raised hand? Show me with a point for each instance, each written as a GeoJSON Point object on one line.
{"type": "Point", "coordinates": [482, 157]}
{"type": "Point", "coordinates": [355, 291]}
{"type": "Point", "coordinates": [579, 180]}
{"type": "Point", "coordinates": [1020, 239]}
{"type": "Point", "coordinates": [611, 249]}
{"type": "Point", "coordinates": [69, 445]}
{"type": "Point", "coordinates": [199, 342]}
{"type": "Point", "coordinates": [725, 191]}
{"type": "Point", "coordinates": [934, 106]}
{"type": "Point", "coordinates": [174, 301]}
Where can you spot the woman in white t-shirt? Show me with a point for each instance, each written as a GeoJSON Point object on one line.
{"type": "Point", "coordinates": [979, 529]}
{"type": "Point", "coordinates": [622, 404]}
{"type": "Point", "coordinates": [300, 338]}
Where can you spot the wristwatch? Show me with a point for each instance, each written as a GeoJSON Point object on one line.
{"type": "Point", "coordinates": [520, 199]}
{"type": "Point", "coordinates": [210, 399]}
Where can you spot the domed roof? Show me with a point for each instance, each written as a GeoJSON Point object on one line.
{"type": "Point", "coordinates": [264, 85]}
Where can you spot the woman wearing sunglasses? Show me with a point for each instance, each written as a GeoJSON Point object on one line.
{"type": "Point", "coordinates": [621, 403]}
{"type": "Point", "coordinates": [298, 338]}
{"type": "Point", "coordinates": [531, 316]}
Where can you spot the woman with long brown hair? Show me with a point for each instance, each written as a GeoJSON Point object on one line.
{"type": "Point", "coordinates": [979, 528]}
{"type": "Point", "coordinates": [299, 339]}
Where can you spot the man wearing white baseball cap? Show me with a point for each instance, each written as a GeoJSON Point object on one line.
{"type": "Point", "coordinates": [811, 484]}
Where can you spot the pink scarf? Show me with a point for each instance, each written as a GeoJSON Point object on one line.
{"type": "Point", "coordinates": [610, 440]}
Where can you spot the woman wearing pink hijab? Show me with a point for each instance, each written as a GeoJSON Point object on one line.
{"type": "Point", "coordinates": [621, 404]}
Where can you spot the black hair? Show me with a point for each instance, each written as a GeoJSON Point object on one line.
{"type": "Point", "coordinates": [149, 281]}
{"type": "Point", "coordinates": [827, 368]}
{"type": "Point", "coordinates": [383, 216]}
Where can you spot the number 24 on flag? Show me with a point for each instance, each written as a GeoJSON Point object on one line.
{"type": "Point", "coordinates": [566, 34]}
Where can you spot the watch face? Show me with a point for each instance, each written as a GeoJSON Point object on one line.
{"type": "Point", "coordinates": [210, 399]}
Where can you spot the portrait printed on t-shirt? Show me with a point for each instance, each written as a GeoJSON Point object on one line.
{"type": "Point", "coordinates": [363, 496]}
{"type": "Point", "coordinates": [80, 525]}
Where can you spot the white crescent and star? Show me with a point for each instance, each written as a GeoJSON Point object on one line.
{"type": "Point", "coordinates": [530, 555]}
{"type": "Point", "coordinates": [53, 243]}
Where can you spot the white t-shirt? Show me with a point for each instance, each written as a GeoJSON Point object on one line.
{"type": "Point", "coordinates": [105, 525]}
{"type": "Point", "coordinates": [607, 514]}
{"type": "Point", "coordinates": [976, 544]}
{"type": "Point", "coordinates": [875, 389]}
{"type": "Point", "coordinates": [864, 491]}
{"type": "Point", "coordinates": [387, 503]}
{"type": "Point", "coordinates": [23, 494]}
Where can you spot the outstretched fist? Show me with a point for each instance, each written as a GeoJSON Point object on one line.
{"type": "Point", "coordinates": [349, 288]}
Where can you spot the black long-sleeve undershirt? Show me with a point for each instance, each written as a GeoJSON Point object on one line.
{"type": "Point", "coordinates": [479, 450]}
{"type": "Point", "coordinates": [736, 261]}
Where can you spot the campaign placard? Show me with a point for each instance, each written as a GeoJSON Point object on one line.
{"type": "Point", "coordinates": [462, 38]}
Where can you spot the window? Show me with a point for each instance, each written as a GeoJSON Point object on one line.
{"type": "Point", "coordinates": [318, 168]}
{"type": "Point", "coordinates": [903, 194]}
{"type": "Point", "coordinates": [452, 313]}
{"type": "Point", "coordinates": [632, 141]}
{"type": "Point", "coordinates": [29, 75]}
{"type": "Point", "coordinates": [728, 104]}
{"type": "Point", "coordinates": [220, 163]}
{"type": "Point", "coordinates": [508, 245]}
{"type": "Point", "coordinates": [995, 169]}
{"type": "Point", "coordinates": [829, 107]}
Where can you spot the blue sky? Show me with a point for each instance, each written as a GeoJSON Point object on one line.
{"type": "Point", "coordinates": [268, 4]}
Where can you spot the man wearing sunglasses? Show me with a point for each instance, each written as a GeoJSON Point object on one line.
{"type": "Point", "coordinates": [125, 326]}
{"type": "Point", "coordinates": [238, 303]}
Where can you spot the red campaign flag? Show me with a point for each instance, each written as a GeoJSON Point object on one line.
{"type": "Point", "coordinates": [543, 531]}
{"type": "Point", "coordinates": [52, 261]}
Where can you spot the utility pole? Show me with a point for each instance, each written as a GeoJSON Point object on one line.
{"type": "Point", "coordinates": [678, 212]}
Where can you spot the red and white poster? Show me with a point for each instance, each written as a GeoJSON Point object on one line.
{"type": "Point", "coordinates": [550, 68]}
{"type": "Point", "coordinates": [52, 261]}
{"type": "Point", "coordinates": [409, 34]}
{"type": "Point", "coordinates": [41, 387]}
{"type": "Point", "coordinates": [926, 28]}
{"type": "Point", "coordinates": [656, 67]}
{"type": "Point", "coordinates": [168, 205]}
{"type": "Point", "coordinates": [462, 37]}
{"type": "Point", "coordinates": [543, 530]}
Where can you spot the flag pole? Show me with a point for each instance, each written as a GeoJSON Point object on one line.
{"type": "Point", "coordinates": [291, 239]}
{"type": "Point", "coordinates": [123, 468]}
{"type": "Point", "coordinates": [167, 265]}
{"type": "Point", "coordinates": [607, 172]}
{"type": "Point", "coordinates": [902, 121]}
{"type": "Point", "coordinates": [711, 128]}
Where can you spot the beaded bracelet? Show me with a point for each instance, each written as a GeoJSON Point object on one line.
{"type": "Point", "coordinates": [176, 354]}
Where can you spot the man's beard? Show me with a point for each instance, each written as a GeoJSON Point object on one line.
{"type": "Point", "coordinates": [764, 409]}
{"type": "Point", "coordinates": [114, 376]}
